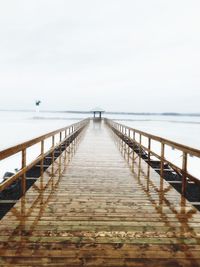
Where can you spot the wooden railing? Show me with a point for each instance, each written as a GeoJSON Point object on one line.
{"type": "Point", "coordinates": [185, 151]}
{"type": "Point", "coordinates": [63, 133]}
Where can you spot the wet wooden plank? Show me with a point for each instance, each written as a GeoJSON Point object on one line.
{"type": "Point", "coordinates": [98, 210]}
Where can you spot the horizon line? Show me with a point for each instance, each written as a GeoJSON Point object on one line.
{"type": "Point", "coordinates": [109, 112]}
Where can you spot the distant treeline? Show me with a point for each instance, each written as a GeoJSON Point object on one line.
{"type": "Point", "coordinates": [138, 113]}
{"type": "Point", "coordinates": [113, 112]}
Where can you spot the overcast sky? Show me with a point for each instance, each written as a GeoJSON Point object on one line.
{"type": "Point", "coordinates": [121, 55]}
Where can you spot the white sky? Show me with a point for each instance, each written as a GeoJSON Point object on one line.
{"type": "Point", "coordinates": [122, 55]}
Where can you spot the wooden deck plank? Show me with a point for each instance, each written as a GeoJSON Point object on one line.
{"type": "Point", "coordinates": [97, 210]}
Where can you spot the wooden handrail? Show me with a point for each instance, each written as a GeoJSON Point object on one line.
{"type": "Point", "coordinates": [19, 147]}
{"type": "Point", "coordinates": [6, 153]}
{"type": "Point", "coordinates": [190, 150]}
{"type": "Point", "coordinates": [185, 150]}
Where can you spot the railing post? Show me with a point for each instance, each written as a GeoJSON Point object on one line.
{"type": "Point", "coordinates": [73, 142]}
{"type": "Point", "coordinates": [122, 131]}
{"type": "Point", "coordinates": [23, 183]}
{"type": "Point", "coordinates": [42, 161]}
{"type": "Point", "coordinates": [60, 146]}
{"type": "Point", "coordinates": [53, 147]}
{"type": "Point", "coordinates": [65, 143]}
{"type": "Point", "coordinates": [70, 140]}
{"type": "Point", "coordinates": [149, 149]}
{"type": "Point", "coordinates": [162, 159]}
{"type": "Point", "coordinates": [124, 143]}
{"type": "Point", "coordinates": [21, 175]}
{"type": "Point", "coordinates": [140, 144]}
{"type": "Point", "coordinates": [133, 159]}
{"type": "Point", "coordinates": [133, 152]}
{"type": "Point", "coordinates": [184, 173]}
{"type": "Point", "coordinates": [53, 141]}
{"type": "Point", "coordinates": [42, 147]}
{"type": "Point", "coordinates": [129, 136]}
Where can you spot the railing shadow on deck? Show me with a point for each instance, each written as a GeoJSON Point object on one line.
{"type": "Point", "coordinates": [67, 138]}
{"type": "Point", "coordinates": [160, 194]}
{"type": "Point", "coordinates": [44, 190]}
{"type": "Point", "coordinates": [179, 176]}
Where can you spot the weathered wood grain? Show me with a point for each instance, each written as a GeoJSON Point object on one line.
{"type": "Point", "coordinates": [96, 210]}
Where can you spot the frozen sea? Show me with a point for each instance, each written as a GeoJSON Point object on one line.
{"type": "Point", "coordinates": [17, 127]}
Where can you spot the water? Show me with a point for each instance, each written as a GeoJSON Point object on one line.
{"type": "Point", "coordinates": [17, 127]}
{"type": "Point", "coordinates": [180, 129]}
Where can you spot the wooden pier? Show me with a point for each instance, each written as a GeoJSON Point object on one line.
{"type": "Point", "coordinates": [95, 205]}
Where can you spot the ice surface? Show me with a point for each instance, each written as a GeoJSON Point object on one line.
{"type": "Point", "coordinates": [17, 127]}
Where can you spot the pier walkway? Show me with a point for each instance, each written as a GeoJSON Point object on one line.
{"type": "Point", "coordinates": [97, 208]}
